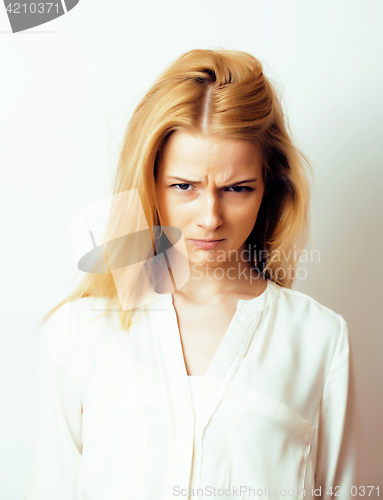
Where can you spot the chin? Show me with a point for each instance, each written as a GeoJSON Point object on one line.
{"type": "Point", "coordinates": [205, 264]}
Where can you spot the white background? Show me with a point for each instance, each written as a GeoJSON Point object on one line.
{"type": "Point", "coordinates": [67, 90]}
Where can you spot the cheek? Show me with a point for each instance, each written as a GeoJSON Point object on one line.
{"type": "Point", "coordinates": [172, 213]}
{"type": "Point", "coordinates": [245, 214]}
{"type": "Point", "coordinates": [164, 205]}
{"type": "Point", "coordinates": [243, 219]}
{"type": "Point", "coordinates": [244, 228]}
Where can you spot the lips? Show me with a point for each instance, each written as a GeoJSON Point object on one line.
{"type": "Point", "coordinates": [206, 244]}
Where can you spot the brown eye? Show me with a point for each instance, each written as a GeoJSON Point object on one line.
{"type": "Point", "coordinates": [182, 186]}
{"type": "Point", "coordinates": [242, 189]}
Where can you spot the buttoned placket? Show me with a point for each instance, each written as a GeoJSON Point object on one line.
{"type": "Point", "coordinates": [189, 418]}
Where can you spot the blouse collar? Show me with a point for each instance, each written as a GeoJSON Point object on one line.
{"type": "Point", "coordinates": [246, 305]}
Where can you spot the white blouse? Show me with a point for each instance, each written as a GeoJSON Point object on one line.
{"type": "Point", "coordinates": [115, 417]}
{"type": "Point", "coordinates": [194, 382]}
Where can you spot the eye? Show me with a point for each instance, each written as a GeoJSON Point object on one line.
{"type": "Point", "coordinates": [243, 189]}
{"type": "Point", "coordinates": [182, 186]}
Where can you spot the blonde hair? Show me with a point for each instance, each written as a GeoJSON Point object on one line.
{"type": "Point", "coordinates": [223, 92]}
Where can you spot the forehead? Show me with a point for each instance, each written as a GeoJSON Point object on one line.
{"type": "Point", "coordinates": [185, 150]}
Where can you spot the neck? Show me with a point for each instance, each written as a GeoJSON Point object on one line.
{"type": "Point", "coordinates": [208, 281]}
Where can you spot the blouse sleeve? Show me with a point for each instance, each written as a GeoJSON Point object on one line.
{"type": "Point", "coordinates": [56, 445]}
{"type": "Point", "coordinates": [336, 469]}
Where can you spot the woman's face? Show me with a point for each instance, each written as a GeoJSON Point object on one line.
{"type": "Point", "coordinates": [210, 188]}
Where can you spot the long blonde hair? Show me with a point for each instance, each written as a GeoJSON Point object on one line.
{"type": "Point", "coordinates": [223, 92]}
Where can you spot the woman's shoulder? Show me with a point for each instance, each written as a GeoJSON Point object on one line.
{"type": "Point", "coordinates": [88, 307]}
{"type": "Point", "coordinates": [77, 316]}
{"type": "Point", "coordinates": [301, 299]}
{"type": "Point", "coordinates": [90, 314]}
{"type": "Point", "coordinates": [303, 309]}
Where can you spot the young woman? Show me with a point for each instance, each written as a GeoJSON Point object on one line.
{"type": "Point", "coordinates": [232, 384]}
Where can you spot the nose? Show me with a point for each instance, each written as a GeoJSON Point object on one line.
{"type": "Point", "coordinates": [209, 211]}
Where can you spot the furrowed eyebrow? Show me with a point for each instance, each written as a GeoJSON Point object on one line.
{"type": "Point", "coordinates": [186, 181]}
